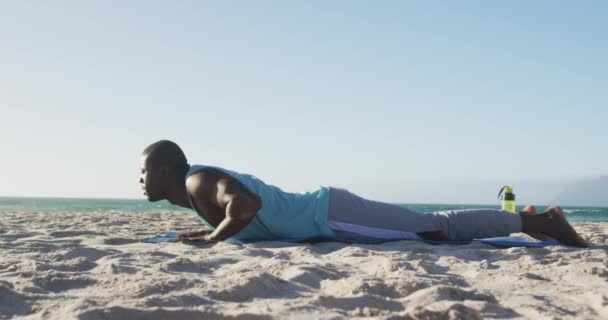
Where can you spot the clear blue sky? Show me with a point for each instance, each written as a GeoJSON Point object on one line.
{"type": "Point", "coordinates": [407, 101]}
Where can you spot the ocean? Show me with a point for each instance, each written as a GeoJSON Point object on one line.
{"type": "Point", "coordinates": [574, 213]}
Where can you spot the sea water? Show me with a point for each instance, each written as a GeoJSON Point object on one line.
{"type": "Point", "coordinates": [574, 213]}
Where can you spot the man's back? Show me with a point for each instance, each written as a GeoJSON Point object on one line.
{"type": "Point", "coordinates": [283, 215]}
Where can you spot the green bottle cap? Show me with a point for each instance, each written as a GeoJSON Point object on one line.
{"type": "Point", "coordinates": [506, 193]}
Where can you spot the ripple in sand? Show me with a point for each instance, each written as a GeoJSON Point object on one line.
{"type": "Point", "coordinates": [161, 286]}
{"type": "Point", "coordinates": [183, 265]}
{"type": "Point", "coordinates": [115, 268]}
{"type": "Point", "coordinates": [440, 310]}
{"type": "Point", "coordinates": [532, 276]}
{"type": "Point", "coordinates": [37, 246]}
{"type": "Point", "coordinates": [353, 303]}
{"type": "Point", "coordinates": [8, 237]}
{"type": "Point", "coordinates": [20, 265]}
{"type": "Point", "coordinates": [244, 287]}
{"type": "Point", "coordinates": [29, 265]}
{"type": "Point", "coordinates": [492, 310]}
{"type": "Point", "coordinates": [429, 267]}
{"type": "Point", "coordinates": [118, 241]}
{"type": "Point", "coordinates": [75, 265]}
{"type": "Point", "coordinates": [185, 300]}
{"type": "Point", "coordinates": [162, 314]}
{"type": "Point", "coordinates": [75, 233]}
{"type": "Point", "coordinates": [257, 252]}
{"type": "Point", "coordinates": [350, 252]}
{"type": "Point", "coordinates": [391, 288]}
{"type": "Point", "coordinates": [88, 253]}
{"type": "Point", "coordinates": [442, 292]}
{"type": "Point", "coordinates": [384, 267]}
{"type": "Point", "coordinates": [311, 275]}
{"type": "Point", "coordinates": [157, 256]}
{"type": "Point", "coordinates": [58, 282]}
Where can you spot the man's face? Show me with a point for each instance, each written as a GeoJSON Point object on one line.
{"type": "Point", "coordinates": [152, 180]}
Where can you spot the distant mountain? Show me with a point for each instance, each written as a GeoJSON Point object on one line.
{"type": "Point", "coordinates": [592, 192]}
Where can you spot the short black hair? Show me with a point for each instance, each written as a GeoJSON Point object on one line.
{"type": "Point", "coordinates": [167, 153]}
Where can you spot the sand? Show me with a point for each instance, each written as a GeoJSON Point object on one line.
{"type": "Point", "coordinates": [93, 266]}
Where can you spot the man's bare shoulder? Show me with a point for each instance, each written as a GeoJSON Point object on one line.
{"type": "Point", "coordinates": [203, 180]}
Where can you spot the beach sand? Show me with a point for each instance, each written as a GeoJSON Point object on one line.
{"type": "Point", "coordinates": [93, 266]}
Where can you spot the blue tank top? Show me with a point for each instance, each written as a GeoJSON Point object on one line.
{"type": "Point", "coordinates": [283, 216]}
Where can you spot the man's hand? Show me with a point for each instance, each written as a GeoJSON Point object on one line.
{"type": "Point", "coordinates": [195, 235]}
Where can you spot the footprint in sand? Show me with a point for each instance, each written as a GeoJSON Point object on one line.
{"type": "Point", "coordinates": [11, 302]}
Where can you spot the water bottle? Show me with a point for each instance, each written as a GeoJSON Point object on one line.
{"type": "Point", "coordinates": [508, 202]}
{"type": "Point", "coordinates": [508, 199]}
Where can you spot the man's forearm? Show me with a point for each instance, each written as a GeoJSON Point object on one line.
{"type": "Point", "coordinates": [237, 217]}
{"type": "Point", "coordinates": [227, 228]}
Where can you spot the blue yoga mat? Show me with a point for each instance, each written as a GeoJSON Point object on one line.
{"type": "Point", "coordinates": [506, 242]}
{"type": "Point", "coordinates": [501, 242]}
{"type": "Point", "coordinates": [172, 237]}
{"type": "Point", "coordinates": [167, 237]}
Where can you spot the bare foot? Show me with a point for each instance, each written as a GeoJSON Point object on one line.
{"type": "Point", "coordinates": [529, 209]}
{"type": "Point", "coordinates": [556, 225]}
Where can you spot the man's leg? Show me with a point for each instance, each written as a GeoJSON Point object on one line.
{"type": "Point", "coordinates": [356, 219]}
{"type": "Point", "coordinates": [360, 220]}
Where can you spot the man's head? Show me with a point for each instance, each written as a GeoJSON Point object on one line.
{"type": "Point", "coordinates": [163, 169]}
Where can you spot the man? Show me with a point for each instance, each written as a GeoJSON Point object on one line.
{"type": "Point", "coordinates": [243, 207]}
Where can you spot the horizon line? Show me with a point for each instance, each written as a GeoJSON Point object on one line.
{"type": "Point", "coordinates": [398, 203]}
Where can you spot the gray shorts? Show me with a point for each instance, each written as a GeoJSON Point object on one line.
{"type": "Point", "coordinates": [355, 219]}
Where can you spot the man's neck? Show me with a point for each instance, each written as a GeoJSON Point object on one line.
{"type": "Point", "coordinates": [179, 197]}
